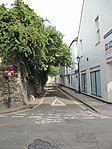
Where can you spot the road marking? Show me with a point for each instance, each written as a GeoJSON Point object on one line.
{"type": "Point", "coordinates": [48, 121]}
{"type": "Point", "coordinates": [54, 121]}
{"type": "Point", "coordinates": [88, 117]}
{"type": "Point", "coordinates": [40, 114]}
{"type": "Point", "coordinates": [57, 102]}
{"type": "Point", "coordinates": [69, 117]}
{"type": "Point", "coordinates": [50, 114]}
{"type": "Point", "coordinates": [35, 116]}
{"type": "Point", "coordinates": [22, 114]}
{"type": "Point", "coordinates": [17, 116]}
{"type": "Point", "coordinates": [50, 117]}
{"type": "Point", "coordinates": [106, 117]}
{"type": "Point", "coordinates": [81, 105]}
{"type": "Point", "coordinates": [40, 122]}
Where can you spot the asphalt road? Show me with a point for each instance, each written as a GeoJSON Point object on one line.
{"type": "Point", "coordinates": [60, 122]}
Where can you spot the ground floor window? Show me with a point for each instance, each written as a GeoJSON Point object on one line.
{"type": "Point", "coordinates": [68, 78]}
{"type": "Point", "coordinates": [95, 83]}
{"type": "Point", "coordinates": [84, 82]}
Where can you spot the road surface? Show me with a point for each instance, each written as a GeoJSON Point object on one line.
{"type": "Point", "coordinates": [60, 122]}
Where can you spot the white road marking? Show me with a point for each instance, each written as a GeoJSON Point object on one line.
{"type": "Point", "coordinates": [40, 118]}
{"type": "Point", "coordinates": [75, 102]}
{"type": "Point", "coordinates": [69, 115]}
{"type": "Point", "coordinates": [35, 116]}
{"type": "Point", "coordinates": [88, 118]}
{"type": "Point", "coordinates": [47, 121]}
{"type": "Point", "coordinates": [17, 116]}
{"type": "Point", "coordinates": [59, 103]}
{"type": "Point", "coordinates": [53, 117]}
{"type": "Point", "coordinates": [57, 115]}
{"type": "Point", "coordinates": [106, 117]}
{"type": "Point", "coordinates": [21, 114]}
{"type": "Point", "coordinates": [50, 114]}
{"type": "Point", "coordinates": [40, 114]}
{"type": "Point", "coordinates": [40, 122]}
{"type": "Point", "coordinates": [54, 121]}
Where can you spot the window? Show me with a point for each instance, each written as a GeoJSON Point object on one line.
{"type": "Point", "coordinates": [97, 30]}
{"type": "Point", "coordinates": [68, 77]}
{"type": "Point", "coordinates": [84, 82]}
{"type": "Point", "coordinates": [95, 83]}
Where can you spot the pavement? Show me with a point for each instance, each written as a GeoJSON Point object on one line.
{"type": "Point", "coordinates": [13, 108]}
{"type": "Point", "coordinates": [93, 103]}
{"type": "Point", "coordinates": [19, 106]}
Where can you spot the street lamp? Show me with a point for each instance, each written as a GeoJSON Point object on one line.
{"type": "Point", "coordinates": [78, 60]}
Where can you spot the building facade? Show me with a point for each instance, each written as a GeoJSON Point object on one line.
{"type": "Point", "coordinates": [94, 46]}
{"type": "Point", "coordinates": [68, 76]}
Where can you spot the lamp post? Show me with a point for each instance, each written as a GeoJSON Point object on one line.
{"type": "Point", "coordinates": [78, 60]}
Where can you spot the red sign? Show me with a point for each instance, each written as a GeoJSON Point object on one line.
{"type": "Point", "coordinates": [8, 71]}
{"type": "Point", "coordinates": [106, 47]}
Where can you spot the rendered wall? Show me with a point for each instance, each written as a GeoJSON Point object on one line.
{"type": "Point", "coordinates": [93, 53]}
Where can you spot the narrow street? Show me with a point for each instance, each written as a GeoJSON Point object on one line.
{"type": "Point", "coordinates": [60, 122]}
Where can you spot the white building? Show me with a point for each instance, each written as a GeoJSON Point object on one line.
{"type": "Point", "coordinates": [95, 46]}
{"type": "Point", "coordinates": [72, 71]}
{"type": "Point", "coordinates": [68, 75]}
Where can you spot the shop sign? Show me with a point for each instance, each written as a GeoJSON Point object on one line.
{"type": "Point", "coordinates": [108, 49]}
{"type": "Point", "coordinates": [108, 45]}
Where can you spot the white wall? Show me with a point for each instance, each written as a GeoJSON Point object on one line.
{"type": "Point", "coordinates": [87, 33]}
{"type": "Point", "coordinates": [71, 70]}
{"type": "Point", "coordinates": [68, 76]}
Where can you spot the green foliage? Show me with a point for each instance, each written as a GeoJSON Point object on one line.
{"type": "Point", "coordinates": [22, 40]}
{"type": "Point", "coordinates": [53, 71]}
{"type": "Point", "coordinates": [28, 44]}
{"type": "Point", "coordinates": [56, 51]}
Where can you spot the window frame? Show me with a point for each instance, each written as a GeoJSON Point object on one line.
{"type": "Point", "coordinates": [84, 82]}
{"type": "Point", "coordinates": [96, 84]}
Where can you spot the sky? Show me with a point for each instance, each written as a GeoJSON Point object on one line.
{"type": "Point", "coordinates": [63, 14]}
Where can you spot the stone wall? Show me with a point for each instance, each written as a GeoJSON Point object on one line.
{"type": "Point", "coordinates": [18, 93]}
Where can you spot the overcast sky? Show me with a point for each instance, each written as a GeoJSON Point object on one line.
{"type": "Point", "coordinates": [64, 14]}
